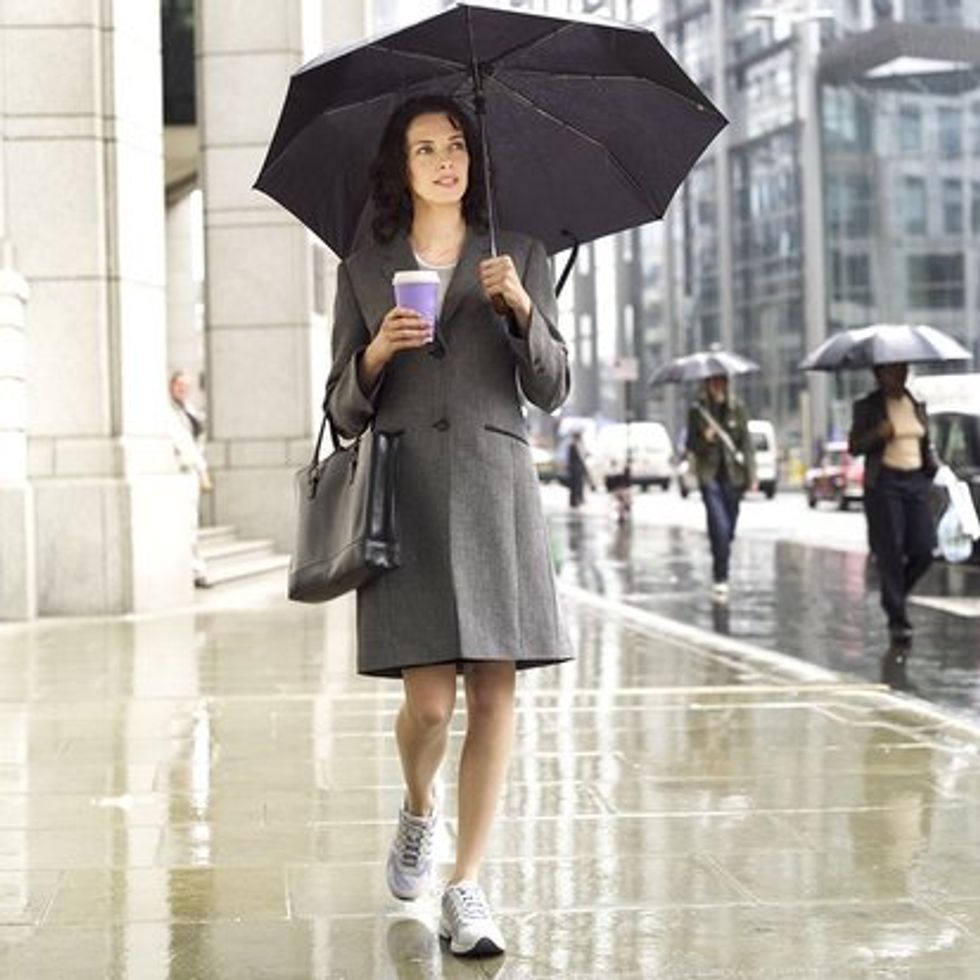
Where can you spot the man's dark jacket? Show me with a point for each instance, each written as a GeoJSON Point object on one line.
{"type": "Point", "coordinates": [865, 440]}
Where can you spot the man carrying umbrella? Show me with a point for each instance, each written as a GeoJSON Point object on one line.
{"type": "Point", "coordinates": [724, 462]}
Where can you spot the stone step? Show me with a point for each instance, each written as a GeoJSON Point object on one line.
{"type": "Point", "coordinates": [232, 570]}
{"type": "Point", "coordinates": [207, 536]}
{"type": "Point", "coordinates": [215, 552]}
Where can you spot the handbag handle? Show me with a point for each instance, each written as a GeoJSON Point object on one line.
{"type": "Point", "coordinates": [313, 471]}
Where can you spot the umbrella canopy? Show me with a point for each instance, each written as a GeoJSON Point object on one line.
{"type": "Point", "coordinates": [589, 127]}
{"type": "Point", "coordinates": [884, 343]}
{"type": "Point", "coordinates": [702, 364]}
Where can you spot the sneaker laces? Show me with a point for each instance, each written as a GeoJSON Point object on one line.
{"type": "Point", "coordinates": [414, 842]}
{"type": "Point", "coordinates": [470, 902]}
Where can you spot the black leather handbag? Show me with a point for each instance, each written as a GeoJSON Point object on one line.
{"type": "Point", "coordinates": [346, 531]}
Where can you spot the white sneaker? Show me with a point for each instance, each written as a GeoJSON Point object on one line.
{"type": "Point", "coordinates": [467, 923]}
{"type": "Point", "coordinates": [719, 591]}
{"type": "Point", "coordinates": [410, 861]}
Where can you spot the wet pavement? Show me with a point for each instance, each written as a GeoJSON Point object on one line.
{"type": "Point", "coordinates": [210, 794]}
{"type": "Point", "coordinates": [820, 604]}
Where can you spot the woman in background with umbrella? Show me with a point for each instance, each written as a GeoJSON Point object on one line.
{"type": "Point", "coordinates": [475, 592]}
{"type": "Point", "coordinates": [719, 444]}
{"type": "Point", "coordinates": [890, 429]}
{"type": "Point", "coordinates": [724, 461]}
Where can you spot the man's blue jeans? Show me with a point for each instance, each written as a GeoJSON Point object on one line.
{"type": "Point", "coordinates": [721, 500]}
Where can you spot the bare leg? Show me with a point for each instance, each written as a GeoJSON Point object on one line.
{"type": "Point", "coordinates": [484, 760]}
{"type": "Point", "coordinates": [422, 730]}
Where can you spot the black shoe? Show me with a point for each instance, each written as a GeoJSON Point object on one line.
{"type": "Point", "coordinates": [893, 671]}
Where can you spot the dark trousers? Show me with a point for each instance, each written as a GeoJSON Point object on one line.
{"type": "Point", "coordinates": [902, 536]}
{"type": "Point", "coordinates": [721, 500]}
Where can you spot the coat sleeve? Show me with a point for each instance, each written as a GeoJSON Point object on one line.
{"type": "Point", "coordinates": [746, 445]}
{"type": "Point", "coordinates": [347, 405]}
{"type": "Point", "coordinates": [542, 358]}
{"type": "Point", "coordinates": [864, 438]}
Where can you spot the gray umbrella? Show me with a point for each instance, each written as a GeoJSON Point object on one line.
{"type": "Point", "coordinates": [702, 364]}
{"type": "Point", "coordinates": [884, 343]}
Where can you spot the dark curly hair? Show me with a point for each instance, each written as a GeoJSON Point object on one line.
{"type": "Point", "coordinates": [389, 172]}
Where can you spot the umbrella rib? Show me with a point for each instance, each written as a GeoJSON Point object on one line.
{"type": "Point", "coordinates": [640, 190]}
{"type": "Point", "coordinates": [590, 76]}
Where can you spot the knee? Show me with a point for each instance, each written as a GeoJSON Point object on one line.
{"type": "Point", "coordinates": [490, 694]}
{"type": "Point", "coordinates": [430, 716]}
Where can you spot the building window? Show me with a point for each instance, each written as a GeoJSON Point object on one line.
{"type": "Point", "coordinates": [851, 278]}
{"type": "Point", "coordinates": [950, 133]}
{"type": "Point", "coordinates": [935, 281]}
{"type": "Point", "coordinates": [953, 207]}
{"type": "Point", "coordinates": [910, 129]}
{"type": "Point", "coordinates": [975, 117]}
{"type": "Point", "coordinates": [975, 206]}
{"type": "Point", "coordinates": [914, 205]}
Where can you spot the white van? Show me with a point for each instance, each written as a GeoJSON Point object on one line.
{"type": "Point", "coordinates": [763, 437]}
{"type": "Point", "coordinates": [649, 452]}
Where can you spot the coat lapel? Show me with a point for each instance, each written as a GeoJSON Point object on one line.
{"type": "Point", "coordinates": [464, 280]}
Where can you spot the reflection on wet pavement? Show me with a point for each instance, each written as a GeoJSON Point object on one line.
{"type": "Point", "coordinates": [819, 605]}
{"type": "Point", "coordinates": [211, 794]}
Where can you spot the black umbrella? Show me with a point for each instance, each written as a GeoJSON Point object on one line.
{"type": "Point", "coordinates": [589, 127]}
{"type": "Point", "coordinates": [702, 364]}
{"type": "Point", "coordinates": [884, 343]}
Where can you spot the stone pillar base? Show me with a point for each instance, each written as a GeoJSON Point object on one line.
{"type": "Point", "coordinates": [18, 592]}
{"type": "Point", "coordinates": [108, 546]}
{"type": "Point", "coordinates": [259, 502]}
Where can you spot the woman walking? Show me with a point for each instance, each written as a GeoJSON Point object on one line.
{"type": "Point", "coordinates": [724, 461]}
{"type": "Point", "coordinates": [475, 593]}
{"type": "Point", "coordinates": [890, 429]}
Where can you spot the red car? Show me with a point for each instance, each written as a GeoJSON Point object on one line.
{"type": "Point", "coordinates": [839, 477]}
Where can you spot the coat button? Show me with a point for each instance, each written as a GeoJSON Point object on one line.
{"type": "Point", "coordinates": [441, 425]}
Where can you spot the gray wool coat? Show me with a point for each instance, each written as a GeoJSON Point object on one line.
{"type": "Point", "coordinates": [476, 579]}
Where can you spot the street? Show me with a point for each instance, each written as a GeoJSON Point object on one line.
{"type": "Point", "coordinates": [802, 584]}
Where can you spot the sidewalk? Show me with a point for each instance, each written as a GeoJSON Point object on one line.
{"type": "Point", "coordinates": [210, 794]}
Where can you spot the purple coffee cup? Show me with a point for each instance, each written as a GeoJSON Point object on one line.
{"type": "Point", "coordinates": [418, 289]}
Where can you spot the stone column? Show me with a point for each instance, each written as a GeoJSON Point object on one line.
{"type": "Point", "coordinates": [84, 191]}
{"type": "Point", "coordinates": [185, 341]}
{"type": "Point", "coordinates": [267, 289]}
{"type": "Point", "coordinates": [18, 594]}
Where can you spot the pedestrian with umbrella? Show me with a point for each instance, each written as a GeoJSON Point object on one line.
{"type": "Point", "coordinates": [475, 593]}
{"type": "Point", "coordinates": [563, 151]}
{"type": "Point", "coordinates": [720, 448]}
{"type": "Point", "coordinates": [890, 428]}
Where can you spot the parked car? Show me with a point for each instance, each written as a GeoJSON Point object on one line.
{"type": "Point", "coordinates": [956, 438]}
{"type": "Point", "coordinates": [763, 437]}
{"type": "Point", "coordinates": [649, 449]}
{"type": "Point", "coordinates": [838, 477]}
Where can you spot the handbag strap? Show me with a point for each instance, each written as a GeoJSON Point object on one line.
{"type": "Point", "coordinates": [721, 433]}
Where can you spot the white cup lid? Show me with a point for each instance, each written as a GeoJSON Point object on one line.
{"type": "Point", "coordinates": [412, 276]}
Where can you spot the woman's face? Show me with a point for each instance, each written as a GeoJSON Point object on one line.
{"type": "Point", "coordinates": [717, 388]}
{"type": "Point", "coordinates": [892, 378]}
{"type": "Point", "coordinates": [438, 160]}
